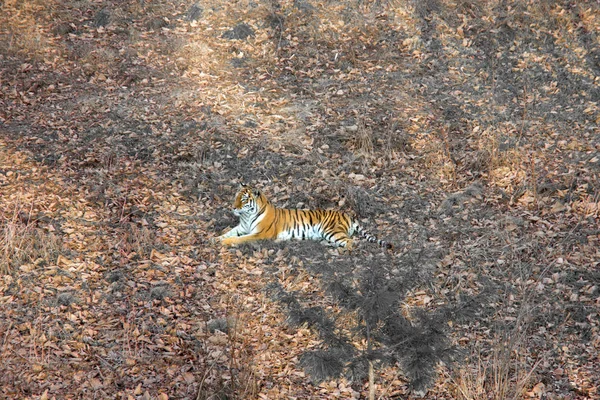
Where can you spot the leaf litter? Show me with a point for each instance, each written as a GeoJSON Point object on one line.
{"type": "Point", "coordinates": [464, 133]}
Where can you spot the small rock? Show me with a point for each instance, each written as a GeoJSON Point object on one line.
{"type": "Point", "coordinates": [239, 32]}
{"type": "Point", "coordinates": [102, 18]}
{"type": "Point", "coordinates": [159, 292]}
{"type": "Point", "coordinates": [156, 23]}
{"type": "Point", "coordinates": [65, 299]}
{"type": "Point", "coordinates": [193, 13]}
{"type": "Point", "coordinates": [474, 190]}
{"type": "Point", "coordinates": [304, 6]}
{"type": "Point", "coordinates": [114, 276]}
{"type": "Point", "coordinates": [221, 324]}
{"type": "Point", "coordinates": [238, 62]}
{"type": "Point", "coordinates": [64, 29]}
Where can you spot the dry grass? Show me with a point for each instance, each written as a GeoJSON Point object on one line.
{"type": "Point", "coordinates": [237, 380]}
{"type": "Point", "coordinates": [22, 242]}
{"type": "Point", "coordinates": [364, 140]}
{"type": "Point", "coordinates": [496, 377]}
{"type": "Point", "coordinates": [138, 241]}
{"type": "Point", "coordinates": [422, 98]}
{"type": "Point", "coordinates": [20, 32]}
{"type": "Point", "coordinates": [503, 373]}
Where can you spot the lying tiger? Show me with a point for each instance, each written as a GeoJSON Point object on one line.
{"type": "Point", "coordinates": [259, 219]}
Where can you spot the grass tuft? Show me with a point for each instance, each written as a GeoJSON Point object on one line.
{"type": "Point", "coordinates": [500, 375]}
{"type": "Point", "coordinates": [23, 242]}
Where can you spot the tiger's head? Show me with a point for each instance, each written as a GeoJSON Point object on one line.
{"type": "Point", "coordinates": [248, 201]}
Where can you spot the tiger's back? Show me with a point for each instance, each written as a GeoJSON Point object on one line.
{"type": "Point", "coordinates": [259, 219]}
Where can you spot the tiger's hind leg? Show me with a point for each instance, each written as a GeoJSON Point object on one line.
{"type": "Point", "coordinates": [341, 240]}
{"type": "Point", "coordinates": [349, 245]}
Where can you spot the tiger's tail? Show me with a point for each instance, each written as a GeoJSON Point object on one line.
{"type": "Point", "coordinates": [372, 238]}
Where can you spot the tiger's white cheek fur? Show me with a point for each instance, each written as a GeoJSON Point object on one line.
{"type": "Point", "coordinates": [246, 226]}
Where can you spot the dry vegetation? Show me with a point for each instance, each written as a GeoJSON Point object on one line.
{"type": "Point", "coordinates": [465, 132]}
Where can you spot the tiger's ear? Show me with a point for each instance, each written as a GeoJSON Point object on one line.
{"type": "Point", "coordinates": [243, 185]}
{"type": "Point", "coordinates": [256, 192]}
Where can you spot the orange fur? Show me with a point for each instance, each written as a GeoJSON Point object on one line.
{"type": "Point", "coordinates": [259, 219]}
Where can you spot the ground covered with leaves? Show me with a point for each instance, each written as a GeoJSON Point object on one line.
{"type": "Point", "coordinates": [464, 132]}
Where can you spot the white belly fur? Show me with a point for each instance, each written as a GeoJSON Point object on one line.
{"type": "Point", "coordinates": [311, 233]}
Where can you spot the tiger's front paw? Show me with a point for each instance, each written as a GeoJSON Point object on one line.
{"type": "Point", "coordinates": [227, 241]}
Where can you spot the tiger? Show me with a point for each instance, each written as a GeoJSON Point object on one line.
{"type": "Point", "coordinates": [259, 219]}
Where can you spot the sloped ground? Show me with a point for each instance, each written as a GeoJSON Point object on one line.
{"type": "Point", "coordinates": [466, 133]}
